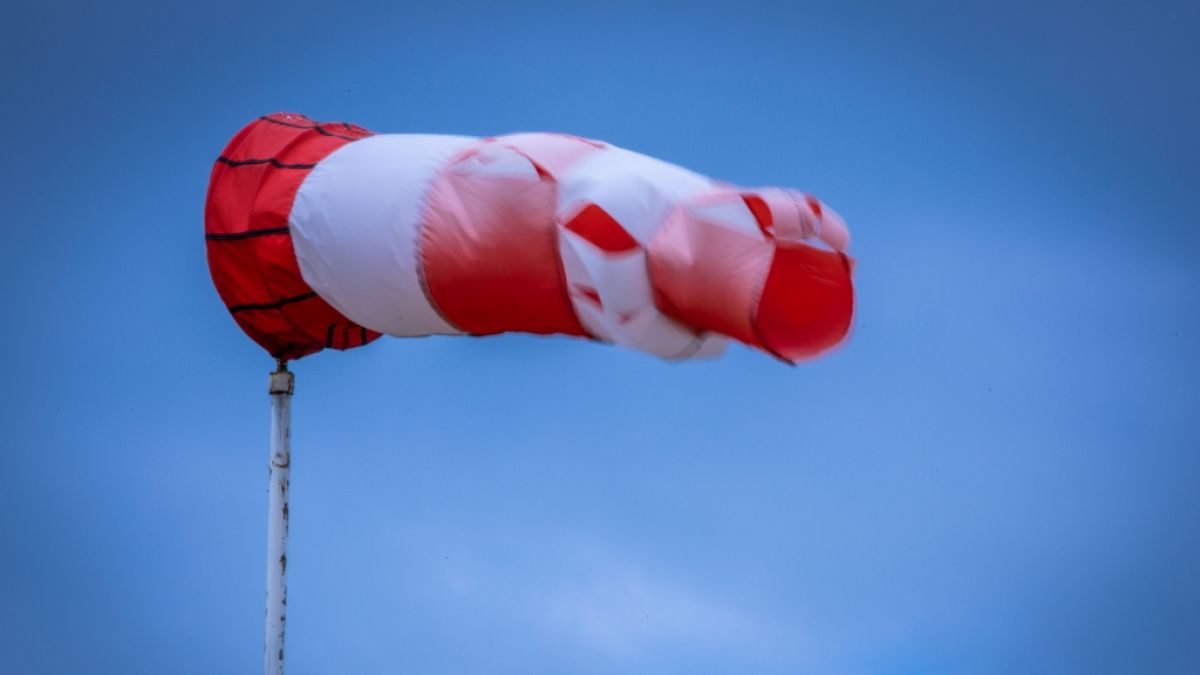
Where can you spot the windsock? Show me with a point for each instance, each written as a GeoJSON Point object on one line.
{"type": "Point", "coordinates": [326, 235]}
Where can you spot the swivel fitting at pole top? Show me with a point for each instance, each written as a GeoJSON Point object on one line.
{"type": "Point", "coordinates": [282, 381]}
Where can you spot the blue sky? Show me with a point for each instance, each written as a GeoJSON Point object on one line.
{"type": "Point", "coordinates": [998, 473]}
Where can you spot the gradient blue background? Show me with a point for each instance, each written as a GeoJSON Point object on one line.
{"type": "Point", "coordinates": [998, 473]}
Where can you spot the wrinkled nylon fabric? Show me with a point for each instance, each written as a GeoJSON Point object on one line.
{"type": "Point", "coordinates": [250, 249]}
{"type": "Point", "coordinates": [356, 222]}
{"type": "Point", "coordinates": [327, 235]}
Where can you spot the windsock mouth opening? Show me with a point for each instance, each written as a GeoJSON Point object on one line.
{"type": "Point", "coordinates": [806, 304]}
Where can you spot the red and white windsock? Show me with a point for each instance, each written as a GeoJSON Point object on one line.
{"type": "Point", "coordinates": [328, 235]}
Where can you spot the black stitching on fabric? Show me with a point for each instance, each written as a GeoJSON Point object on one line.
{"type": "Point", "coordinates": [281, 123]}
{"type": "Point", "coordinates": [268, 160]}
{"type": "Point", "coordinates": [323, 132]}
{"type": "Point", "coordinates": [233, 236]}
{"type": "Point", "coordinates": [272, 305]}
{"type": "Point", "coordinates": [316, 127]}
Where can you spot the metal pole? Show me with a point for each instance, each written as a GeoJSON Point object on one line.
{"type": "Point", "coordinates": [281, 387]}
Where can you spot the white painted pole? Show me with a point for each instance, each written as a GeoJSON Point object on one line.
{"type": "Point", "coordinates": [280, 389]}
